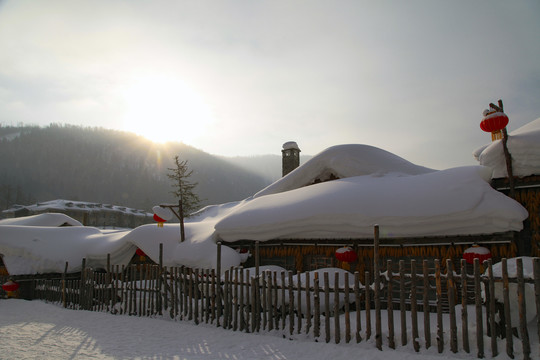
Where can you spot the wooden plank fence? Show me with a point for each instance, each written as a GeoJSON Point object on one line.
{"type": "Point", "coordinates": [433, 309]}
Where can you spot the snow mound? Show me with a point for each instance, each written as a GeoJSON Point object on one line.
{"type": "Point", "coordinates": [456, 201]}
{"type": "Point", "coordinates": [524, 147]}
{"type": "Point", "coordinates": [47, 219]}
{"type": "Point", "coordinates": [343, 161]}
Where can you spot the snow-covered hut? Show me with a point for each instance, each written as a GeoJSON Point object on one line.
{"type": "Point", "coordinates": [524, 148]}
{"type": "Point", "coordinates": [337, 197]}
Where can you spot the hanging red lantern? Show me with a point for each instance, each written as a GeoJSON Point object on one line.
{"type": "Point", "coordinates": [476, 252]}
{"type": "Point", "coordinates": [161, 215]}
{"type": "Point", "coordinates": [141, 254]}
{"type": "Point", "coordinates": [11, 288]}
{"type": "Point", "coordinates": [493, 122]}
{"type": "Point", "coordinates": [346, 254]}
{"type": "Point", "coordinates": [159, 220]}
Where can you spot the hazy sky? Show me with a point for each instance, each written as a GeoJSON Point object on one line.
{"type": "Point", "coordinates": [243, 77]}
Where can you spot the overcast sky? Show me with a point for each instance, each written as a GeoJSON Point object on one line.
{"type": "Point", "coordinates": [243, 77]}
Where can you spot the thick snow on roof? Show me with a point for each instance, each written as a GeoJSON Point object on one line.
{"type": "Point", "coordinates": [375, 187]}
{"type": "Point", "coordinates": [61, 205]}
{"type": "Point", "coordinates": [343, 161]}
{"type": "Point", "coordinates": [456, 201]}
{"type": "Point", "coordinates": [47, 219]}
{"type": "Point", "coordinates": [524, 147]}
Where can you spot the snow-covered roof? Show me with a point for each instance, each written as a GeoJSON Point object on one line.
{"type": "Point", "coordinates": [343, 161]}
{"type": "Point", "coordinates": [456, 201]}
{"type": "Point", "coordinates": [524, 148]}
{"type": "Point", "coordinates": [374, 187]}
{"type": "Point", "coordinates": [47, 219]}
{"type": "Point", "coordinates": [64, 205]}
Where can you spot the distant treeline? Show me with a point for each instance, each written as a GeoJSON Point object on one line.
{"type": "Point", "coordinates": [108, 166]}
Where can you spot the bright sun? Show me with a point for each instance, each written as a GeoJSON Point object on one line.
{"type": "Point", "coordinates": [165, 109]}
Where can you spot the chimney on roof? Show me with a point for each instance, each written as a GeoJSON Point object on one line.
{"type": "Point", "coordinates": [290, 157]}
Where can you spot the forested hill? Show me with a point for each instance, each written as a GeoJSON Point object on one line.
{"type": "Point", "coordinates": [108, 166]}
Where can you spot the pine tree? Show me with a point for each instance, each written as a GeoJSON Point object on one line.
{"type": "Point", "coordinates": [184, 190]}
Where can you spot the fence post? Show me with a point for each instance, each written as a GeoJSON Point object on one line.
{"type": "Point", "coordinates": [440, 333]}
{"type": "Point", "coordinates": [507, 316]}
{"type": "Point", "coordinates": [402, 303]}
{"type": "Point", "coordinates": [464, 313]}
{"type": "Point", "coordinates": [377, 288]}
{"type": "Point", "coordinates": [450, 286]}
{"type": "Point", "coordinates": [536, 272]}
{"type": "Point", "coordinates": [414, 313]}
{"type": "Point", "coordinates": [64, 303]}
{"type": "Point", "coordinates": [390, 305]}
{"type": "Point", "coordinates": [427, 322]}
{"type": "Point", "coordinates": [218, 284]}
{"type": "Point", "coordinates": [524, 333]}
{"type": "Point", "coordinates": [493, 332]}
{"type": "Point", "coordinates": [478, 307]}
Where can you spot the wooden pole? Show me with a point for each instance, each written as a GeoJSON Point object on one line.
{"type": "Point", "coordinates": [464, 312]}
{"type": "Point", "coordinates": [478, 307]}
{"type": "Point", "coordinates": [523, 332]}
{"type": "Point", "coordinates": [491, 299]}
{"type": "Point", "coordinates": [536, 272]}
{"type": "Point", "coordinates": [64, 302]}
{"type": "Point", "coordinates": [427, 322]}
{"type": "Point", "coordinates": [507, 316]}
{"type": "Point", "coordinates": [450, 286]}
{"type": "Point", "coordinates": [390, 305]}
{"type": "Point", "coordinates": [414, 313]}
{"type": "Point", "coordinates": [440, 332]}
{"type": "Point", "coordinates": [377, 288]}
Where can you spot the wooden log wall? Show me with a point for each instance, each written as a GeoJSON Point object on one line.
{"type": "Point", "coordinates": [316, 306]}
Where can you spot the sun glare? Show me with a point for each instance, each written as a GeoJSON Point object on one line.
{"type": "Point", "coordinates": [165, 109]}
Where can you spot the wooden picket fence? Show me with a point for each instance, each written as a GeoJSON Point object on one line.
{"type": "Point", "coordinates": [413, 305]}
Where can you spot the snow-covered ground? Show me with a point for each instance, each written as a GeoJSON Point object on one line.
{"type": "Point", "coordinates": [36, 330]}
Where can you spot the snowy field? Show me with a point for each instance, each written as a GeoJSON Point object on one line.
{"type": "Point", "coordinates": [37, 330]}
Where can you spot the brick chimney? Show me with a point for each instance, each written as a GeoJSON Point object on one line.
{"type": "Point", "coordinates": [290, 157]}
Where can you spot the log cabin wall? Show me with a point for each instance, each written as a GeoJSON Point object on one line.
{"type": "Point", "coordinates": [527, 193]}
{"type": "Point", "coordinates": [311, 255]}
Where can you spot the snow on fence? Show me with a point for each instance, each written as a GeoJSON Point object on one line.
{"type": "Point", "coordinates": [445, 309]}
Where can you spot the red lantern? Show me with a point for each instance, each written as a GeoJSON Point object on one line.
{"type": "Point", "coordinates": [494, 122]}
{"type": "Point", "coordinates": [346, 254]}
{"type": "Point", "coordinates": [476, 252]}
{"type": "Point", "coordinates": [10, 286]}
{"type": "Point", "coordinates": [159, 220]}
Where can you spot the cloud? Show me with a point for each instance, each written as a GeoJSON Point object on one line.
{"type": "Point", "coordinates": [411, 78]}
